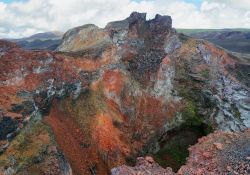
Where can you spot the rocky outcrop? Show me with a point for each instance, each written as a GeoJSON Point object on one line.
{"type": "Point", "coordinates": [223, 95]}
{"type": "Point", "coordinates": [109, 95]}
{"type": "Point", "coordinates": [219, 153]}
{"type": "Point", "coordinates": [84, 37]}
{"type": "Point", "coordinates": [145, 166]}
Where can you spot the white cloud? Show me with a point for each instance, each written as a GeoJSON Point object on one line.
{"type": "Point", "coordinates": [23, 18]}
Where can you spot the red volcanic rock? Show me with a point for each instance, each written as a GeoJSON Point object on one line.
{"type": "Point", "coordinates": [144, 166]}
{"type": "Point", "coordinates": [149, 159]}
{"type": "Point", "coordinates": [226, 157]}
{"type": "Point", "coordinates": [218, 146]}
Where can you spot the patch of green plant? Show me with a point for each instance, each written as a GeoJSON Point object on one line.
{"type": "Point", "coordinates": [87, 105]}
{"type": "Point", "coordinates": [205, 73]}
{"type": "Point", "coordinates": [236, 112]}
{"type": "Point", "coordinates": [190, 116]}
{"type": "Point", "coordinates": [190, 111]}
{"type": "Point", "coordinates": [21, 142]}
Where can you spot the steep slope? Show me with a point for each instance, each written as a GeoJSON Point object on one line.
{"type": "Point", "coordinates": [109, 95]}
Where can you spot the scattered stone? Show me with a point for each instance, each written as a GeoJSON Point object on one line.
{"type": "Point", "coordinates": [219, 146]}
{"type": "Point", "coordinates": [149, 159]}
{"type": "Point", "coordinates": [206, 154]}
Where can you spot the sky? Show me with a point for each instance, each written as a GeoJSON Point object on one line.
{"type": "Point", "coordinates": [21, 18]}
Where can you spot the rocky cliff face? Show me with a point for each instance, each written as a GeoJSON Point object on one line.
{"type": "Point", "coordinates": [109, 95]}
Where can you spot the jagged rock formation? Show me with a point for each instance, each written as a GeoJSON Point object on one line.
{"type": "Point", "coordinates": [84, 37]}
{"type": "Point", "coordinates": [109, 95]}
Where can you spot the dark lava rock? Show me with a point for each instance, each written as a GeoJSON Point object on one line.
{"type": "Point", "coordinates": [137, 17]}
{"type": "Point", "coordinates": [28, 107]}
{"type": "Point", "coordinates": [17, 108]}
{"type": "Point", "coordinates": [7, 125]}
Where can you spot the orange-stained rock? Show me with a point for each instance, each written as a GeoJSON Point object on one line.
{"type": "Point", "coordinates": [72, 141]}
{"type": "Point", "coordinates": [113, 82]}
{"type": "Point", "coordinates": [108, 141]}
